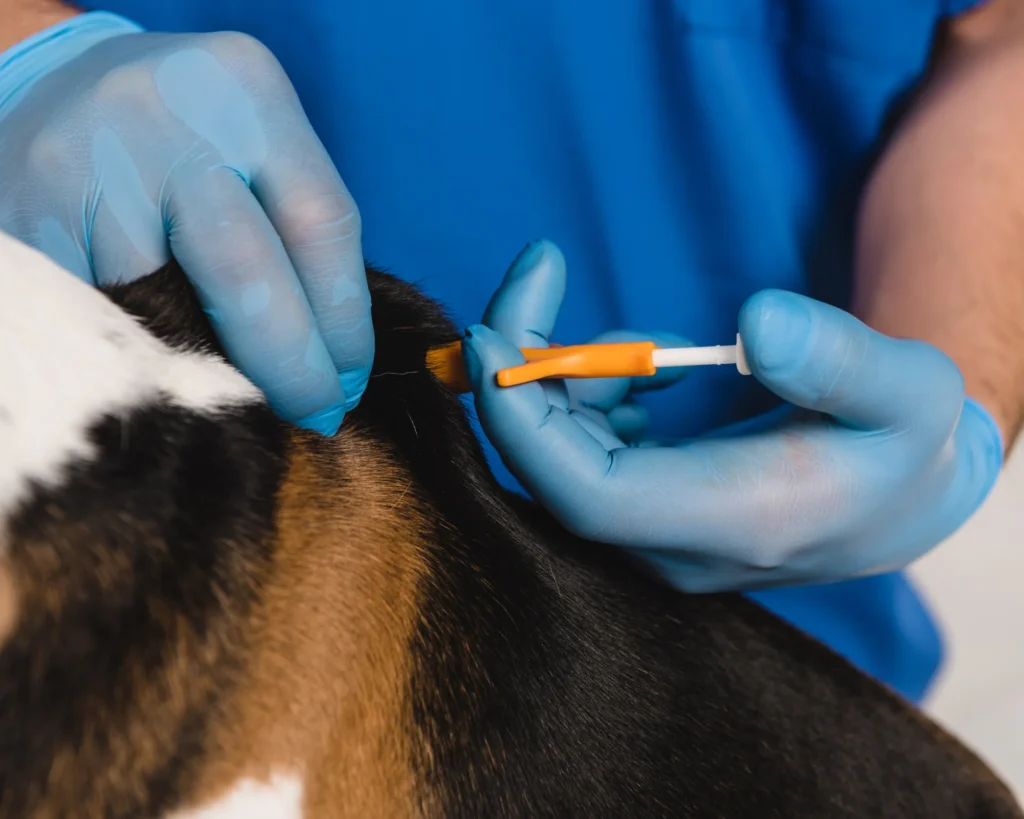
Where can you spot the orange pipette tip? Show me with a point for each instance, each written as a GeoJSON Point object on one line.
{"type": "Point", "coordinates": [583, 361]}
{"type": "Point", "coordinates": [632, 358]}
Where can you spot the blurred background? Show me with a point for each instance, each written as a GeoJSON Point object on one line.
{"type": "Point", "coordinates": [975, 585]}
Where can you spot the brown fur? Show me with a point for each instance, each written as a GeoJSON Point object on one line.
{"type": "Point", "coordinates": [106, 770]}
{"type": "Point", "coordinates": [8, 601]}
{"type": "Point", "coordinates": [218, 599]}
{"type": "Point", "coordinates": [326, 692]}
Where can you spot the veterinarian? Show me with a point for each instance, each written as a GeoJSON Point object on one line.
{"type": "Point", "coordinates": [684, 155]}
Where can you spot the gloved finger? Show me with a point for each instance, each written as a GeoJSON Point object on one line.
{"type": "Point", "coordinates": [273, 147]}
{"type": "Point", "coordinates": [556, 393]}
{"type": "Point", "coordinates": [224, 241]}
{"type": "Point", "coordinates": [597, 425]}
{"type": "Point", "coordinates": [822, 358]}
{"type": "Point", "coordinates": [524, 308]}
{"type": "Point", "coordinates": [318, 222]}
{"type": "Point", "coordinates": [126, 237]}
{"type": "Point", "coordinates": [629, 421]}
{"type": "Point", "coordinates": [606, 393]}
{"type": "Point", "coordinates": [544, 447]}
{"type": "Point", "coordinates": [179, 128]}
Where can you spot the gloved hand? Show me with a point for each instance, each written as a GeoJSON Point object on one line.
{"type": "Point", "coordinates": [876, 458]}
{"type": "Point", "coordinates": [118, 148]}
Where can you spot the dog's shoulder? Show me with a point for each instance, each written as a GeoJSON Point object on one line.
{"type": "Point", "coordinates": [126, 460]}
{"type": "Point", "coordinates": [199, 601]}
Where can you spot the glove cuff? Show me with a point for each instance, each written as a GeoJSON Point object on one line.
{"type": "Point", "coordinates": [24, 63]}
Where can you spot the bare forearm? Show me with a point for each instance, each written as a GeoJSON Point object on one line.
{"type": "Point", "coordinates": [941, 242]}
{"type": "Point", "coordinates": [23, 18]}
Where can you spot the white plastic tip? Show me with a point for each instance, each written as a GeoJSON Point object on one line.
{"type": "Point", "coordinates": [703, 356]}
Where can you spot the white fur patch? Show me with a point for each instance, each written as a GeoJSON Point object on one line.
{"type": "Point", "coordinates": [69, 356]}
{"type": "Point", "coordinates": [281, 798]}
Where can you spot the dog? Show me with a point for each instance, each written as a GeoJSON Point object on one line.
{"type": "Point", "coordinates": [206, 613]}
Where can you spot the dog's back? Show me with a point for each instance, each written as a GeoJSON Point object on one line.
{"type": "Point", "coordinates": [205, 613]}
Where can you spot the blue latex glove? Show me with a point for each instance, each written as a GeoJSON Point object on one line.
{"type": "Point", "coordinates": [119, 148]}
{"type": "Point", "coordinates": [877, 458]}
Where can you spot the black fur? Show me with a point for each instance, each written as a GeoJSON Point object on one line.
{"type": "Point", "coordinates": [146, 520]}
{"type": "Point", "coordinates": [556, 679]}
{"type": "Point", "coordinates": [141, 523]}
{"type": "Point", "coordinates": [552, 676]}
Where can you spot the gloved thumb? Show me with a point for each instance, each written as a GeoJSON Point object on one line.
{"type": "Point", "coordinates": [524, 308]}
{"type": "Point", "coordinates": [553, 456]}
{"type": "Point", "coordinates": [821, 358]}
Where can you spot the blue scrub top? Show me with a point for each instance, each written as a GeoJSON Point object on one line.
{"type": "Point", "coordinates": [683, 153]}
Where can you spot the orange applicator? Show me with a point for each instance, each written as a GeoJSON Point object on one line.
{"type": "Point", "coordinates": [632, 358]}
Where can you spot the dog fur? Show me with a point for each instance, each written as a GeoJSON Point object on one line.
{"type": "Point", "coordinates": [207, 613]}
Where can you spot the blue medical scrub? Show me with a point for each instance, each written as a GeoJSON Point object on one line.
{"type": "Point", "coordinates": [683, 153]}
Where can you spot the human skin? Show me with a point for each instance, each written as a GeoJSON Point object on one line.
{"type": "Point", "coordinates": [23, 18]}
{"type": "Point", "coordinates": [940, 246]}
